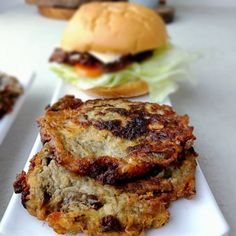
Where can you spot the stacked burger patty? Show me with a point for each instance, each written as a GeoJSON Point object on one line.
{"type": "Point", "coordinates": [108, 166]}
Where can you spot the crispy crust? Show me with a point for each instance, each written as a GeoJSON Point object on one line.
{"type": "Point", "coordinates": [72, 204]}
{"type": "Point", "coordinates": [114, 140]}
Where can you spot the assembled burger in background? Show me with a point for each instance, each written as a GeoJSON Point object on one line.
{"type": "Point", "coordinates": [119, 50]}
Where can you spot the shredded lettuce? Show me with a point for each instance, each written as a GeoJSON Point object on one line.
{"type": "Point", "coordinates": [161, 72]}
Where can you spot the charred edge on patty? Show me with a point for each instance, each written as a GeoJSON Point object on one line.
{"type": "Point", "coordinates": [110, 223]}
{"type": "Point", "coordinates": [72, 58]}
{"type": "Point", "coordinates": [106, 169]}
{"type": "Point", "coordinates": [66, 103]}
{"type": "Point", "coordinates": [21, 186]}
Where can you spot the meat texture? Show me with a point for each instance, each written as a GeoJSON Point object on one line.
{"type": "Point", "coordinates": [113, 140]}
{"type": "Point", "coordinates": [71, 203]}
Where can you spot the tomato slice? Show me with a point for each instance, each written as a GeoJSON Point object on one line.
{"type": "Point", "coordinates": [88, 71]}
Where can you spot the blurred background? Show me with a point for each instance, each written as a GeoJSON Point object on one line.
{"type": "Point", "coordinates": [6, 5]}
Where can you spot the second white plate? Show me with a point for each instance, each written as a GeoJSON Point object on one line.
{"type": "Point", "coordinates": [25, 78]}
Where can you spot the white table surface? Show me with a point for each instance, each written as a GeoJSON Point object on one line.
{"type": "Point", "coordinates": [26, 40]}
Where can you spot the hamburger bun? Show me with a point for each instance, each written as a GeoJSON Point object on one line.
{"type": "Point", "coordinates": [120, 28]}
{"type": "Point", "coordinates": [130, 89]}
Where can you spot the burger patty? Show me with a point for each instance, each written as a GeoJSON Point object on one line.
{"type": "Point", "coordinates": [86, 59]}
{"type": "Point", "coordinates": [10, 90]}
{"type": "Point", "coordinates": [71, 203]}
{"type": "Point", "coordinates": [114, 140]}
{"type": "Point", "coordinates": [67, 4]}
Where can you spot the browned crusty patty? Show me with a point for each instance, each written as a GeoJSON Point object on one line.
{"type": "Point", "coordinates": [71, 203]}
{"type": "Point", "coordinates": [10, 90]}
{"type": "Point", "coordinates": [114, 140]}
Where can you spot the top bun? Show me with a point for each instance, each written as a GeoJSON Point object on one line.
{"type": "Point", "coordinates": [120, 28]}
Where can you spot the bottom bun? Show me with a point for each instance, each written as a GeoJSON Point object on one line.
{"type": "Point", "coordinates": [57, 12]}
{"type": "Point", "coordinates": [130, 89]}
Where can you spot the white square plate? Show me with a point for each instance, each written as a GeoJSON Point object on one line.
{"type": "Point", "coordinates": [197, 217]}
{"type": "Point", "coordinates": [25, 78]}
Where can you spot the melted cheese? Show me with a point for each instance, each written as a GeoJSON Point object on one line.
{"type": "Point", "coordinates": [106, 57]}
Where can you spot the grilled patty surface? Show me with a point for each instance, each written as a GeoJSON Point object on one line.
{"type": "Point", "coordinates": [71, 203]}
{"type": "Point", "coordinates": [114, 140]}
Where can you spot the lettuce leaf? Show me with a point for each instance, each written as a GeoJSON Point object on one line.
{"type": "Point", "coordinates": [161, 72]}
